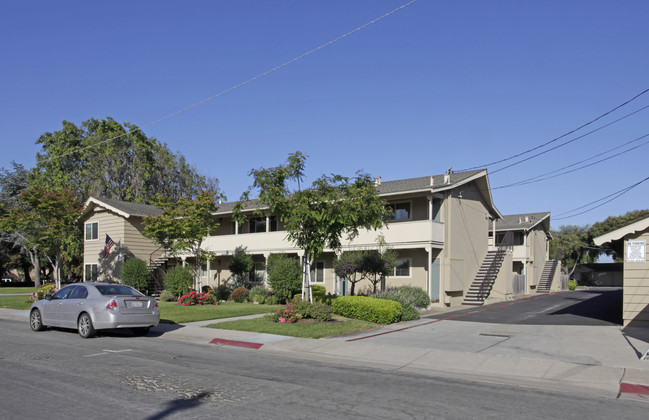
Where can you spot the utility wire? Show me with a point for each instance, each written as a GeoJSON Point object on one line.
{"type": "Point", "coordinates": [557, 172]}
{"type": "Point", "coordinates": [252, 79]}
{"type": "Point", "coordinates": [570, 141]}
{"type": "Point", "coordinates": [557, 138]}
{"type": "Point", "coordinates": [610, 197]}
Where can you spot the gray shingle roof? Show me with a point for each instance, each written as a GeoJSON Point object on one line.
{"type": "Point", "coordinates": [520, 221]}
{"type": "Point", "coordinates": [421, 183]}
{"type": "Point", "coordinates": [133, 209]}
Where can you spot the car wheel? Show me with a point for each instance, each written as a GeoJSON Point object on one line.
{"type": "Point", "coordinates": [86, 330]}
{"type": "Point", "coordinates": [35, 320]}
{"type": "Point", "coordinates": [141, 331]}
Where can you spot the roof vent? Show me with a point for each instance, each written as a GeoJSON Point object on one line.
{"type": "Point", "coordinates": [520, 220]}
{"type": "Point", "coordinates": [377, 181]}
{"type": "Point", "coordinates": [220, 200]}
{"type": "Point", "coordinates": [432, 181]}
{"type": "Point", "coordinates": [447, 179]}
{"type": "Point", "coordinates": [527, 218]}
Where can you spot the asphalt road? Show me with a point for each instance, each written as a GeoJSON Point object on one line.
{"type": "Point", "coordinates": [597, 306]}
{"type": "Point", "coordinates": [57, 374]}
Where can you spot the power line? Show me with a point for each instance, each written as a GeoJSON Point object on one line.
{"type": "Point", "coordinates": [570, 141]}
{"type": "Point", "coordinates": [612, 196]}
{"type": "Point", "coordinates": [549, 175]}
{"type": "Point", "coordinates": [557, 138]}
{"type": "Point", "coordinates": [250, 80]}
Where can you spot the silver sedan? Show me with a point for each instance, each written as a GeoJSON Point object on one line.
{"type": "Point", "coordinates": [89, 307]}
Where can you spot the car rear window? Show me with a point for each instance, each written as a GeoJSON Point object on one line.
{"type": "Point", "coordinates": [117, 290]}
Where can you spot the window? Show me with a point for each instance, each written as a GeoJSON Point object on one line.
{"type": "Point", "coordinates": [437, 207]}
{"type": "Point", "coordinates": [204, 270]}
{"type": "Point", "coordinates": [258, 272]}
{"type": "Point", "coordinates": [401, 211]}
{"type": "Point", "coordinates": [258, 224]}
{"type": "Point", "coordinates": [92, 231]}
{"type": "Point", "coordinates": [79, 292]}
{"type": "Point", "coordinates": [317, 272]}
{"type": "Point", "coordinates": [90, 272]}
{"type": "Point", "coordinates": [402, 269]}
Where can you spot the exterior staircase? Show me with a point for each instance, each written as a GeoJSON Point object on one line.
{"type": "Point", "coordinates": [549, 269]}
{"type": "Point", "coordinates": [486, 277]}
{"type": "Point", "coordinates": [156, 283]}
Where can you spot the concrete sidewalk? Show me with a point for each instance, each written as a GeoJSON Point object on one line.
{"type": "Point", "coordinates": [602, 360]}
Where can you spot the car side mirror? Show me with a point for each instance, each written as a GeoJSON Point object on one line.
{"type": "Point", "coordinates": [48, 297]}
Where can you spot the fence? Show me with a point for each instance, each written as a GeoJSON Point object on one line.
{"type": "Point", "coordinates": [518, 285]}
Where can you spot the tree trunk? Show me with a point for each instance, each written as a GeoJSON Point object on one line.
{"type": "Point", "coordinates": [36, 263]}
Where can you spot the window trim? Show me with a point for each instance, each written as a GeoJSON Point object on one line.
{"type": "Point", "coordinates": [85, 232]}
{"type": "Point", "coordinates": [314, 275]}
{"type": "Point", "coordinates": [409, 268]}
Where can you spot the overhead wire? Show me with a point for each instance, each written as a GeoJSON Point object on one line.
{"type": "Point", "coordinates": [560, 137]}
{"type": "Point", "coordinates": [244, 83]}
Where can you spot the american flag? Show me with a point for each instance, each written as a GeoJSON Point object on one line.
{"type": "Point", "coordinates": [108, 246]}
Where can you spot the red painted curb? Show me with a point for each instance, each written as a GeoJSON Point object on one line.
{"type": "Point", "coordinates": [634, 389]}
{"type": "Point", "coordinates": [236, 343]}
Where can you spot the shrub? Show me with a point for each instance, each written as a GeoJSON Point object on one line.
{"type": "Point", "coordinates": [240, 263]}
{"type": "Point", "coordinates": [287, 314]}
{"type": "Point", "coordinates": [48, 289]}
{"type": "Point", "coordinates": [178, 280]}
{"type": "Point", "coordinates": [284, 276]}
{"type": "Point", "coordinates": [319, 311]}
{"type": "Point", "coordinates": [320, 294]}
{"type": "Point", "coordinates": [207, 289]}
{"type": "Point", "coordinates": [239, 295]}
{"type": "Point", "coordinates": [136, 274]}
{"type": "Point", "coordinates": [417, 296]}
{"type": "Point", "coordinates": [167, 296]}
{"type": "Point", "coordinates": [222, 292]}
{"type": "Point", "coordinates": [193, 298]}
{"type": "Point", "coordinates": [410, 299]}
{"type": "Point", "coordinates": [272, 300]}
{"type": "Point", "coordinates": [367, 309]}
{"type": "Point", "coordinates": [572, 284]}
{"type": "Point", "coordinates": [408, 311]}
{"type": "Point", "coordinates": [257, 294]}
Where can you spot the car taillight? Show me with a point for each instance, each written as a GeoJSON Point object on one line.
{"type": "Point", "coordinates": [156, 303]}
{"type": "Point", "coordinates": [112, 306]}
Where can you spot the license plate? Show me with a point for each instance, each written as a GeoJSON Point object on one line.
{"type": "Point", "coordinates": [136, 304]}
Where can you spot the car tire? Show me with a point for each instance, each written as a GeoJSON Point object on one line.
{"type": "Point", "coordinates": [36, 321]}
{"type": "Point", "coordinates": [84, 325]}
{"type": "Point", "coordinates": [141, 331]}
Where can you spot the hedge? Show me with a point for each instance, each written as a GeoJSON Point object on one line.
{"type": "Point", "coordinates": [367, 309]}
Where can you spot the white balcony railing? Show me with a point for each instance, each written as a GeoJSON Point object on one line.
{"type": "Point", "coordinates": [417, 233]}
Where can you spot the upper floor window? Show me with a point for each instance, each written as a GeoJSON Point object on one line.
{"type": "Point", "coordinates": [401, 211]}
{"type": "Point", "coordinates": [92, 231]}
{"type": "Point", "coordinates": [258, 224]}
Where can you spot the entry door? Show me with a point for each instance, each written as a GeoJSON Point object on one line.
{"type": "Point", "coordinates": [435, 276]}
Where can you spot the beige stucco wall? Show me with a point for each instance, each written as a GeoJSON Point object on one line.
{"type": "Point", "coordinates": [635, 310]}
{"type": "Point", "coordinates": [466, 241]}
{"type": "Point", "coordinates": [536, 240]}
{"type": "Point", "coordinates": [502, 288]}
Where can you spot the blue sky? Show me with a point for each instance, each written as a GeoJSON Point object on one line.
{"type": "Point", "coordinates": [437, 84]}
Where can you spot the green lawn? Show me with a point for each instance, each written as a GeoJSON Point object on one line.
{"type": "Point", "coordinates": [315, 330]}
{"type": "Point", "coordinates": [15, 302]}
{"type": "Point", "coordinates": [170, 312]}
{"type": "Point", "coordinates": [12, 290]}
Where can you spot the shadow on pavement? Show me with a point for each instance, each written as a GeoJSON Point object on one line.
{"type": "Point", "coordinates": [605, 305]}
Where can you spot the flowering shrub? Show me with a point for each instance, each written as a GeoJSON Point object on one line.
{"type": "Point", "coordinates": [239, 295]}
{"type": "Point", "coordinates": [287, 314]}
{"type": "Point", "coordinates": [48, 289]}
{"type": "Point", "coordinates": [193, 298]}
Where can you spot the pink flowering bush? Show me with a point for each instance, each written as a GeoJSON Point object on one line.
{"type": "Point", "coordinates": [287, 314]}
{"type": "Point", "coordinates": [193, 298]}
{"type": "Point", "coordinates": [48, 289]}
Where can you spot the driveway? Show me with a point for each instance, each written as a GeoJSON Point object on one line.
{"type": "Point", "coordinates": [576, 327]}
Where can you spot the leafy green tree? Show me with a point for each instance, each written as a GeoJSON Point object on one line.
{"type": "Point", "coordinates": [615, 222]}
{"type": "Point", "coordinates": [48, 223]}
{"type": "Point", "coordinates": [183, 226]}
{"type": "Point", "coordinates": [576, 247]}
{"type": "Point", "coordinates": [240, 263]}
{"type": "Point", "coordinates": [376, 265]}
{"type": "Point", "coordinates": [112, 160]}
{"type": "Point", "coordinates": [284, 276]}
{"type": "Point", "coordinates": [14, 251]}
{"type": "Point", "coordinates": [349, 265]}
{"type": "Point", "coordinates": [136, 274]}
{"type": "Point", "coordinates": [178, 280]}
{"type": "Point", "coordinates": [315, 218]}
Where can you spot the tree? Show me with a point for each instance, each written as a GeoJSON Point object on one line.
{"type": "Point", "coordinates": [615, 222]}
{"type": "Point", "coordinates": [240, 263]}
{"type": "Point", "coordinates": [178, 280]}
{"type": "Point", "coordinates": [315, 218]}
{"type": "Point", "coordinates": [376, 264]}
{"type": "Point", "coordinates": [112, 160]}
{"type": "Point", "coordinates": [284, 276]}
{"type": "Point", "coordinates": [183, 226]}
{"type": "Point", "coordinates": [14, 251]}
{"type": "Point", "coordinates": [48, 223]}
{"type": "Point", "coordinates": [576, 247]}
{"type": "Point", "coordinates": [136, 274]}
{"type": "Point", "coordinates": [349, 265]}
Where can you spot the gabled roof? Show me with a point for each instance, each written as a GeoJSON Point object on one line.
{"type": "Point", "coordinates": [526, 221]}
{"type": "Point", "coordinates": [123, 208]}
{"type": "Point", "coordinates": [617, 234]}
{"type": "Point", "coordinates": [428, 183]}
